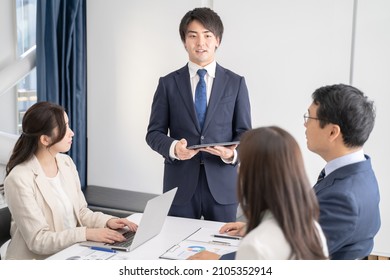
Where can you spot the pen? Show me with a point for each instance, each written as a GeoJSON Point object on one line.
{"type": "Point", "coordinates": [225, 236]}
{"type": "Point", "coordinates": [219, 242]}
{"type": "Point", "coordinates": [103, 249]}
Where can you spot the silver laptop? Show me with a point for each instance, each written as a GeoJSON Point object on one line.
{"type": "Point", "coordinates": [151, 223]}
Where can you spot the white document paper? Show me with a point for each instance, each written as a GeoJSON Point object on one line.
{"type": "Point", "coordinates": [89, 254]}
{"type": "Point", "coordinates": [204, 239]}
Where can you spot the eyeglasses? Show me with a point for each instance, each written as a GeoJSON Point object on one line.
{"type": "Point", "coordinates": [306, 117]}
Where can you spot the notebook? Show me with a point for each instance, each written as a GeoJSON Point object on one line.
{"type": "Point", "coordinates": [151, 223]}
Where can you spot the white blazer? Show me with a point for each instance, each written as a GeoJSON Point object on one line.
{"type": "Point", "coordinates": [36, 228]}
{"type": "Point", "coordinates": [267, 242]}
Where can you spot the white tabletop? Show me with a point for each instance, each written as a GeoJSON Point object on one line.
{"type": "Point", "coordinates": [174, 230]}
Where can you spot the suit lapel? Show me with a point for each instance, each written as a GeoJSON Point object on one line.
{"type": "Point", "coordinates": [342, 173]}
{"type": "Point", "coordinates": [217, 91]}
{"type": "Point", "coordinates": [319, 186]}
{"type": "Point", "coordinates": [47, 193]}
{"type": "Point", "coordinates": [184, 85]}
{"type": "Point", "coordinates": [65, 172]}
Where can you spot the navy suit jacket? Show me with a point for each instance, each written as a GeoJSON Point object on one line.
{"type": "Point", "coordinates": [173, 117]}
{"type": "Point", "coordinates": [349, 210]}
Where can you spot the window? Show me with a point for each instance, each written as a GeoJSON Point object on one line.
{"type": "Point", "coordinates": [26, 11]}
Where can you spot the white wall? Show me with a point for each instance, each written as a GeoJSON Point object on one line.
{"type": "Point", "coordinates": [284, 54]}
{"type": "Point", "coordinates": [372, 75]}
{"type": "Point", "coordinates": [130, 45]}
{"type": "Point", "coordinates": [285, 49]}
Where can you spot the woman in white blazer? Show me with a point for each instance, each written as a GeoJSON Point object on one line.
{"type": "Point", "coordinates": [43, 192]}
{"type": "Point", "coordinates": [277, 200]}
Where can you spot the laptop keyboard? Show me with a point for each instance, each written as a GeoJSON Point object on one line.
{"type": "Point", "coordinates": [129, 235]}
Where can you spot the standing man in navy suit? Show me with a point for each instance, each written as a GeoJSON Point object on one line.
{"type": "Point", "coordinates": [206, 178]}
{"type": "Point", "coordinates": [338, 123]}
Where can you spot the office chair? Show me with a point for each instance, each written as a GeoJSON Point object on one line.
{"type": "Point", "coordinates": [5, 225]}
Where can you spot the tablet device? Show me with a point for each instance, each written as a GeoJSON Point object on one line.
{"type": "Point", "coordinates": [194, 147]}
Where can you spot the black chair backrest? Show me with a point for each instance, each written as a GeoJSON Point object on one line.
{"type": "Point", "coordinates": [5, 225]}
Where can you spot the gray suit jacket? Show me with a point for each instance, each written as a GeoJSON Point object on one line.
{"type": "Point", "coordinates": [173, 117]}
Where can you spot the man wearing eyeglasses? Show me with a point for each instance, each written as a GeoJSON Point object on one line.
{"type": "Point", "coordinates": [338, 123]}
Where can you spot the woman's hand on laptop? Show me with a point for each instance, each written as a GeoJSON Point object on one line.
{"type": "Point", "coordinates": [117, 223]}
{"type": "Point", "coordinates": [110, 234]}
{"type": "Point", "coordinates": [105, 235]}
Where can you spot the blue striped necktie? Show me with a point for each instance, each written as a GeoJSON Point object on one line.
{"type": "Point", "coordinates": [201, 97]}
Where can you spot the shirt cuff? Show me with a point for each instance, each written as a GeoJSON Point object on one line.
{"type": "Point", "coordinates": [172, 150]}
{"type": "Point", "coordinates": [232, 161]}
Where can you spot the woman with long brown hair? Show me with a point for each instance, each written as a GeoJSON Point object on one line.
{"type": "Point", "coordinates": [277, 200]}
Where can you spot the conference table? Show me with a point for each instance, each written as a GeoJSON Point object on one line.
{"type": "Point", "coordinates": [174, 231]}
